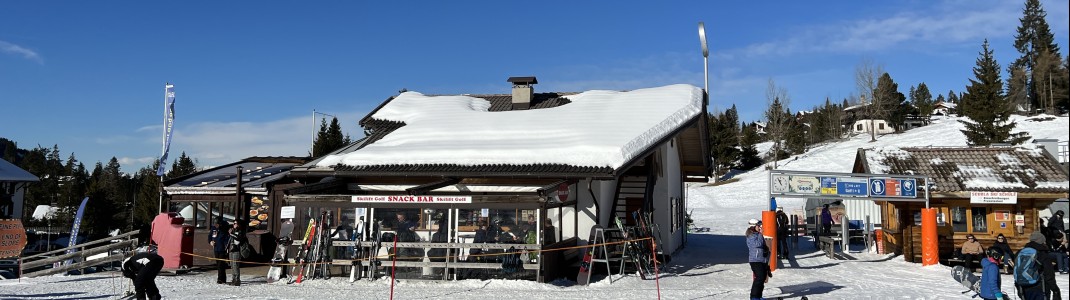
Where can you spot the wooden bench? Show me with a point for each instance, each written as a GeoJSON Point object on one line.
{"type": "Point", "coordinates": [828, 245]}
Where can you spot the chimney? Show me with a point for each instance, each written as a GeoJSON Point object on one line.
{"type": "Point", "coordinates": [522, 91]}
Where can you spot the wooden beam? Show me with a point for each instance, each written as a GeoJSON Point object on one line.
{"type": "Point", "coordinates": [423, 189]}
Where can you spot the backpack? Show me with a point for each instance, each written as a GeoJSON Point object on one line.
{"type": "Point", "coordinates": [1026, 267]}
{"type": "Point", "coordinates": [512, 263]}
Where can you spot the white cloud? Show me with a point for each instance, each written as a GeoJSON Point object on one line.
{"type": "Point", "coordinates": [951, 22]}
{"type": "Point", "coordinates": [17, 50]}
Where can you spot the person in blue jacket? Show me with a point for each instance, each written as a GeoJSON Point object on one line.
{"type": "Point", "coordinates": [758, 257]}
{"type": "Point", "coordinates": [990, 280]}
{"type": "Point", "coordinates": [219, 239]}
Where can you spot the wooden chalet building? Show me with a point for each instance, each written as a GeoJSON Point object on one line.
{"type": "Point", "coordinates": [559, 162]}
{"type": "Point", "coordinates": [979, 191]}
{"type": "Point", "coordinates": [202, 197]}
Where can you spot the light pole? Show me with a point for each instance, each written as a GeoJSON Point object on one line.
{"type": "Point", "coordinates": [312, 149]}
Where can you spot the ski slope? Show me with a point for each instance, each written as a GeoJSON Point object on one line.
{"type": "Point", "coordinates": [713, 266]}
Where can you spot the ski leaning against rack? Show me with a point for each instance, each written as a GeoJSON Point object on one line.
{"type": "Point", "coordinates": [356, 249]}
{"type": "Point", "coordinates": [630, 246]}
{"type": "Point", "coordinates": [303, 256]}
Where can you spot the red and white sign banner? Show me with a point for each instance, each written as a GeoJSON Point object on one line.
{"type": "Point", "coordinates": [12, 238]}
{"type": "Point", "coordinates": [562, 192]}
{"type": "Point", "coordinates": [993, 197]}
{"type": "Point", "coordinates": [412, 199]}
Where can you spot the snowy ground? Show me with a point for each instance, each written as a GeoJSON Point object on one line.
{"type": "Point", "coordinates": [713, 266]}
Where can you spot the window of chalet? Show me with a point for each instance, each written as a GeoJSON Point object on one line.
{"type": "Point", "coordinates": [674, 210]}
{"type": "Point", "coordinates": [881, 126]}
{"type": "Point", "coordinates": [958, 219]}
{"type": "Point", "coordinates": [980, 220]}
{"type": "Point", "coordinates": [858, 127]}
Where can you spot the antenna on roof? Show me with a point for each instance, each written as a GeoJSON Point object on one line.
{"type": "Point", "coordinates": [705, 58]}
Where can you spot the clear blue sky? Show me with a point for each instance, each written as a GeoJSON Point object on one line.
{"type": "Point", "coordinates": [89, 75]}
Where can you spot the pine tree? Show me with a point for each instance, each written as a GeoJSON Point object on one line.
{"type": "Point", "coordinates": [182, 166]}
{"type": "Point", "coordinates": [922, 100]}
{"type": "Point", "coordinates": [892, 103]}
{"type": "Point", "coordinates": [1033, 40]}
{"type": "Point", "coordinates": [329, 138]}
{"type": "Point", "coordinates": [985, 105]}
{"type": "Point", "coordinates": [748, 156]}
{"type": "Point", "coordinates": [795, 136]}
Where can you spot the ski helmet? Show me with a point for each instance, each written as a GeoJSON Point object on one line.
{"type": "Point", "coordinates": [994, 254]}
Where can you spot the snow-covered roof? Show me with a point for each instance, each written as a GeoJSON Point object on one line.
{"type": "Point", "coordinates": [945, 104]}
{"type": "Point", "coordinates": [596, 129]}
{"type": "Point", "coordinates": [961, 169]}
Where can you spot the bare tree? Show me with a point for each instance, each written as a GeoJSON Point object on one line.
{"type": "Point", "coordinates": [777, 100]}
{"type": "Point", "coordinates": [867, 74]}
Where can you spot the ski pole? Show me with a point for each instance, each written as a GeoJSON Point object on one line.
{"type": "Point", "coordinates": [657, 278]}
{"type": "Point", "coordinates": [393, 266]}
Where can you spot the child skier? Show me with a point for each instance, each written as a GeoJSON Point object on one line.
{"type": "Point", "coordinates": [990, 281]}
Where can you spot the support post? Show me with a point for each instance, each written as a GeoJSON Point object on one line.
{"type": "Point", "coordinates": [929, 247]}
{"type": "Point", "coordinates": [769, 231]}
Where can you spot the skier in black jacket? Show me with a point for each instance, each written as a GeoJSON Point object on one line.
{"type": "Point", "coordinates": [143, 268]}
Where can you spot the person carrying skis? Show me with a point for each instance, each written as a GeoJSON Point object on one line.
{"type": "Point", "coordinates": [990, 280]}
{"type": "Point", "coordinates": [757, 256]}
{"type": "Point", "coordinates": [219, 239]}
{"type": "Point", "coordinates": [142, 268]}
{"type": "Point", "coordinates": [782, 232]}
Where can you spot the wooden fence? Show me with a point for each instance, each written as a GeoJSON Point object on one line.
{"type": "Point", "coordinates": [28, 266]}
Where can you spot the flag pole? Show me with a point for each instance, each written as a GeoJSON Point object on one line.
{"type": "Point", "coordinates": [168, 130]}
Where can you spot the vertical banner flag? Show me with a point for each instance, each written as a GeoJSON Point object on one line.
{"type": "Point", "coordinates": [74, 228]}
{"type": "Point", "coordinates": [168, 125]}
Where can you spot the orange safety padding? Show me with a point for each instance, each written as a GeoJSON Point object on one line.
{"type": "Point", "coordinates": [769, 231]}
{"type": "Point", "coordinates": [929, 246]}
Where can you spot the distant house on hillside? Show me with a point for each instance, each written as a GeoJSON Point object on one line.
{"type": "Point", "coordinates": [544, 167]}
{"type": "Point", "coordinates": [13, 183]}
{"type": "Point", "coordinates": [977, 191]}
{"type": "Point", "coordinates": [944, 108]}
{"type": "Point", "coordinates": [865, 126]}
{"type": "Point", "coordinates": [759, 127]}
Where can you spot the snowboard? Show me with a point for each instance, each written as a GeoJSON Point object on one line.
{"type": "Point", "coordinates": [966, 278]}
{"type": "Point", "coordinates": [584, 275]}
{"type": "Point", "coordinates": [356, 250]}
{"type": "Point", "coordinates": [275, 271]}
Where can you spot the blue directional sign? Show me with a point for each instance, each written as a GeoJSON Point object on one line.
{"type": "Point", "coordinates": [909, 187]}
{"type": "Point", "coordinates": [851, 187]}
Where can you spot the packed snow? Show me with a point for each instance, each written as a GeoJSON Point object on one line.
{"type": "Point", "coordinates": [712, 266]}
{"type": "Point", "coordinates": [597, 129]}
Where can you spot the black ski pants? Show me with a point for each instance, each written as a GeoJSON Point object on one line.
{"type": "Point", "coordinates": [221, 266]}
{"type": "Point", "coordinates": [145, 281]}
{"type": "Point", "coordinates": [761, 273]}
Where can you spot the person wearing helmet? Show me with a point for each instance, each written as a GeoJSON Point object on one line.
{"type": "Point", "coordinates": [990, 280]}
{"type": "Point", "coordinates": [757, 256]}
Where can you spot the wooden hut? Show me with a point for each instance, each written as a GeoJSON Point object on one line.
{"type": "Point", "coordinates": [980, 191]}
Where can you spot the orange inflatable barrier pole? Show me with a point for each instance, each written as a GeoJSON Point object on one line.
{"type": "Point", "coordinates": [930, 253]}
{"type": "Point", "coordinates": [769, 231]}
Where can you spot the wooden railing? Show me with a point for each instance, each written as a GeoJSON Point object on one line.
{"type": "Point", "coordinates": [84, 251]}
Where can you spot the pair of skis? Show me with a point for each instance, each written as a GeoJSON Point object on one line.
{"type": "Point", "coordinates": [303, 256]}
{"type": "Point", "coordinates": [641, 263]}
{"type": "Point", "coordinates": [356, 250]}
{"type": "Point", "coordinates": [648, 229]}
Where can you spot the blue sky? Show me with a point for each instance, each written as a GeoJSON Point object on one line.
{"type": "Point", "coordinates": [89, 76]}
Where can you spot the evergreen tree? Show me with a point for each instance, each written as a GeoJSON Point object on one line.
{"type": "Point", "coordinates": [724, 140]}
{"type": "Point", "coordinates": [748, 156]}
{"type": "Point", "coordinates": [1033, 40]}
{"type": "Point", "coordinates": [182, 166]}
{"type": "Point", "coordinates": [776, 126]}
{"type": "Point", "coordinates": [795, 136]}
{"type": "Point", "coordinates": [329, 138]}
{"type": "Point", "coordinates": [922, 100]}
{"type": "Point", "coordinates": [892, 102]}
{"type": "Point", "coordinates": [952, 97]}
{"type": "Point", "coordinates": [146, 196]}
{"type": "Point", "coordinates": [985, 105]}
